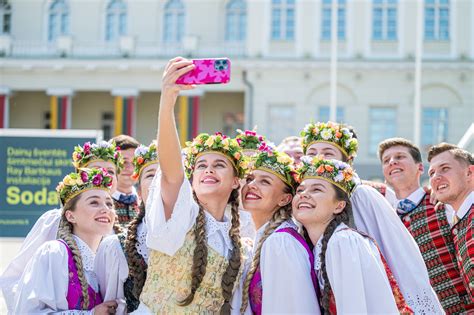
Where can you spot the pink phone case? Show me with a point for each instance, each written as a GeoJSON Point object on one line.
{"type": "Point", "coordinates": [207, 71]}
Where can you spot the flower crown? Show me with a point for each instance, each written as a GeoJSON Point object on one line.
{"type": "Point", "coordinates": [333, 133]}
{"type": "Point", "coordinates": [336, 172]}
{"type": "Point", "coordinates": [144, 156]}
{"type": "Point", "coordinates": [278, 163]}
{"type": "Point", "coordinates": [102, 151]}
{"type": "Point", "coordinates": [249, 140]}
{"type": "Point", "coordinates": [85, 179]}
{"type": "Point", "coordinates": [217, 143]}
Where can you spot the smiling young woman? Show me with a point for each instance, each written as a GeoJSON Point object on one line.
{"type": "Point", "coordinates": [61, 275]}
{"type": "Point", "coordinates": [281, 278]}
{"type": "Point", "coordinates": [196, 259]}
{"type": "Point", "coordinates": [345, 259]}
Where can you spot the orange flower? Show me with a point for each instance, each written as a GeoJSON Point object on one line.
{"type": "Point", "coordinates": [320, 169]}
{"type": "Point", "coordinates": [329, 168]}
{"type": "Point", "coordinates": [237, 155]}
{"type": "Point", "coordinates": [140, 160]}
{"type": "Point", "coordinates": [338, 134]}
{"type": "Point", "coordinates": [135, 176]}
{"type": "Point", "coordinates": [347, 174]}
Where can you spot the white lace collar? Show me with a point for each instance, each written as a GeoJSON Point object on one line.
{"type": "Point", "coordinates": [213, 226]}
{"type": "Point", "coordinates": [87, 254]}
{"type": "Point", "coordinates": [317, 252]}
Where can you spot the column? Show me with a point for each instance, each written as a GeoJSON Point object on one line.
{"type": "Point", "coordinates": [4, 107]}
{"type": "Point", "coordinates": [60, 107]}
{"type": "Point", "coordinates": [125, 101]}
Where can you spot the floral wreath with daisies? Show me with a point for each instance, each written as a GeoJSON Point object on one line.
{"type": "Point", "coordinates": [276, 162]}
{"type": "Point", "coordinates": [333, 133]}
{"type": "Point", "coordinates": [217, 143]}
{"type": "Point", "coordinates": [336, 172]}
{"type": "Point", "coordinates": [104, 151]}
{"type": "Point", "coordinates": [85, 179]}
{"type": "Point", "coordinates": [143, 157]}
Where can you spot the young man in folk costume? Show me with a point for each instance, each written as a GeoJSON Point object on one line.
{"type": "Point", "coordinates": [402, 168]}
{"type": "Point", "coordinates": [374, 216]}
{"type": "Point", "coordinates": [125, 197]}
{"type": "Point", "coordinates": [451, 178]}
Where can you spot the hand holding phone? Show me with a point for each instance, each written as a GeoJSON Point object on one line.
{"type": "Point", "coordinates": [207, 71]}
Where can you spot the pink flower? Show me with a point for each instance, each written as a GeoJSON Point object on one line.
{"type": "Point", "coordinates": [97, 180]}
{"type": "Point", "coordinates": [250, 133]}
{"type": "Point", "coordinates": [239, 141]}
{"type": "Point", "coordinates": [260, 138]}
{"type": "Point", "coordinates": [87, 148]}
{"type": "Point", "coordinates": [84, 177]}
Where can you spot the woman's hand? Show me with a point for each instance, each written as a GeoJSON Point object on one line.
{"type": "Point", "coordinates": [106, 308]}
{"type": "Point", "coordinates": [174, 69]}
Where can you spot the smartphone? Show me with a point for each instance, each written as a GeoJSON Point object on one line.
{"type": "Point", "coordinates": [207, 71]}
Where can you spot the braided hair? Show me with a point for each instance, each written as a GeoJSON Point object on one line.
{"type": "Point", "coordinates": [279, 216]}
{"type": "Point", "coordinates": [345, 216]}
{"type": "Point", "coordinates": [65, 233]}
{"type": "Point", "coordinates": [200, 254]}
{"type": "Point", "coordinates": [136, 264]}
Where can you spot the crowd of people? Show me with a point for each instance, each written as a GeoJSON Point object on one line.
{"type": "Point", "coordinates": [237, 225]}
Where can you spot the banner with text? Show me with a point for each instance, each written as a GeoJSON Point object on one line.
{"type": "Point", "coordinates": [32, 162]}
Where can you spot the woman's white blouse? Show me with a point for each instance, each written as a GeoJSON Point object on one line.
{"type": "Point", "coordinates": [44, 284]}
{"type": "Point", "coordinates": [45, 229]}
{"type": "Point", "coordinates": [286, 274]}
{"type": "Point", "coordinates": [374, 216]}
{"type": "Point", "coordinates": [356, 273]}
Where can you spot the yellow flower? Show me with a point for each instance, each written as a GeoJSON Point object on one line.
{"type": "Point", "coordinates": [226, 143]}
{"type": "Point", "coordinates": [237, 155]}
{"type": "Point", "coordinates": [68, 181]}
{"type": "Point", "coordinates": [284, 159]}
{"type": "Point", "coordinates": [79, 182]}
{"type": "Point", "coordinates": [210, 141]}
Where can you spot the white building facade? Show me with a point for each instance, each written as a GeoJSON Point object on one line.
{"type": "Point", "coordinates": [93, 56]}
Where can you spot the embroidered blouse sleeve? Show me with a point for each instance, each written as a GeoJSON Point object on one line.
{"type": "Point", "coordinates": [45, 229]}
{"type": "Point", "coordinates": [168, 236]}
{"type": "Point", "coordinates": [286, 277]}
{"type": "Point", "coordinates": [357, 275]}
{"type": "Point", "coordinates": [44, 284]}
{"type": "Point", "coordinates": [374, 216]}
{"type": "Point", "coordinates": [112, 271]}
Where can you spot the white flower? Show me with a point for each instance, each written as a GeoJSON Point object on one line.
{"type": "Point", "coordinates": [307, 159]}
{"type": "Point", "coordinates": [141, 150]}
{"type": "Point", "coordinates": [104, 144]}
{"type": "Point", "coordinates": [326, 134]}
{"type": "Point", "coordinates": [306, 128]}
{"type": "Point", "coordinates": [339, 177]}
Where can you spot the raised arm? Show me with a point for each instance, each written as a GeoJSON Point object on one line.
{"type": "Point", "coordinates": [172, 172]}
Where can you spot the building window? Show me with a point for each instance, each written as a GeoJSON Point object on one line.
{"type": "Point", "coordinates": [283, 19]}
{"type": "Point", "coordinates": [58, 20]}
{"type": "Point", "coordinates": [382, 126]}
{"type": "Point", "coordinates": [236, 20]}
{"type": "Point", "coordinates": [384, 20]}
{"type": "Point", "coordinates": [116, 20]}
{"type": "Point", "coordinates": [324, 114]}
{"type": "Point", "coordinates": [46, 120]}
{"type": "Point", "coordinates": [173, 21]}
{"type": "Point", "coordinates": [5, 16]}
{"type": "Point", "coordinates": [107, 123]}
{"type": "Point", "coordinates": [281, 122]}
{"type": "Point", "coordinates": [232, 122]}
{"type": "Point", "coordinates": [326, 20]}
{"type": "Point", "coordinates": [434, 126]}
{"type": "Point", "coordinates": [437, 19]}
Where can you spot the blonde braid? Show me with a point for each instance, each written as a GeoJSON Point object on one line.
{"type": "Point", "coordinates": [65, 233]}
{"type": "Point", "coordinates": [232, 271]}
{"type": "Point", "coordinates": [198, 269]}
{"type": "Point", "coordinates": [279, 216]}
